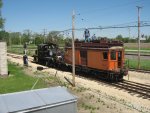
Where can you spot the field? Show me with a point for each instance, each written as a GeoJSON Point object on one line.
{"type": "Point", "coordinates": [18, 49]}
{"type": "Point", "coordinates": [132, 63]}
{"type": "Point", "coordinates": [18, 80]}
{"type": "Point", "coordinates": [134, 46]}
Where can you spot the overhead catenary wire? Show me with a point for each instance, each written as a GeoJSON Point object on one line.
{"type": "Point", "coordinates": [106, 27]}
{"type": "Point", "coordinates": [103, 9]}
{"type": "Point", "coordinates": [107, 8]}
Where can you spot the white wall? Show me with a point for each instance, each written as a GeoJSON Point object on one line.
{"type": "Point", "coordinates": [3, 59]}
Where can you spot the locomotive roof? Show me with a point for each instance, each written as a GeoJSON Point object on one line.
{"type": "Point", "coordinates": [102, 43]}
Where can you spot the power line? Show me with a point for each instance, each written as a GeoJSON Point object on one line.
{"type": "Point", "coordinates": [103, 9]}
{"type": "Point", "coordinates": [110, 8]}
{"type": "Point", "coordinates": [118, 26]}
{"type": "Point", "coordinates": [44, 33]}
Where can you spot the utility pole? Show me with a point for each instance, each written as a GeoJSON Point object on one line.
{"type": "Point", "coordinates": [139, 60]}
{"type": "Point", "coordinates": [27, 32]}
{"type": "Point", "coordinates": [44, 33]}
{"type": "Point", "coordinates": [129, 32]}
{"type": "Point", "coordinates": [20, 37]}
{"type": "Point", "coordinates": [73, 48]}
{"type": "Point", "coordinates": [10, 42]}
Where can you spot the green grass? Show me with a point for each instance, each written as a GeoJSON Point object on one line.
{"type": "Point", "coordinates": [144, 64]}
{"type": "Point", "coordinates": [21, 46]}
{"type": "Point", "coordinates": [128, 48]}
{"type": "Point", "coordinates": [18, 81]}
{"type": "Point", "coordinates": [20, 50]}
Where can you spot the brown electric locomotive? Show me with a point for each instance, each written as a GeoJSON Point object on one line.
{"type": "Point", "coordinates": [101, 57]}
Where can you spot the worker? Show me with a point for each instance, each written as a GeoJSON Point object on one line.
{"type": "Point", "coordinates": [86, 35]}
{"type": "Point", "coordinates": [25, 60]}
{"type": "Point", "coordinates": [93, 37]}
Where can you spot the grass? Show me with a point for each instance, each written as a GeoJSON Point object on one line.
{"type": "Point", "coordinates": [128, 48]}
{"type": "Point", "coordinates": [18, 81]}
{"type": "Point", "coordinates": [134, 46]}
{"type": "Point", "coordinates": [19, 50]}
{"type": "Point", "coordinates": [21, 46]}
{"type": "Point", "coordinates": [144, 64]}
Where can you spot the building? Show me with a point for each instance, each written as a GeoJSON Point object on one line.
{"type": "Point", "coordinates": [3, 59]}
{"type": "Point", "coordinates": [47, 100]}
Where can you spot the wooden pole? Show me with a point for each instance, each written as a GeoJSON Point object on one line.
{"type": "Point", "coordinates": [10, 41]}
{"type": "Point", "coordinates": [73, 49]}
{"type": "Point", "coordinates": [139, 36]}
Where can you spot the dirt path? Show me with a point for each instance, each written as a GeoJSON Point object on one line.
{"type": "Point", "coordinates": [111, 99]}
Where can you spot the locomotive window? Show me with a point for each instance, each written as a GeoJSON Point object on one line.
{"type": "Point", "coordinates": [113, 55]}
{"type": "Point", "coordinates": [105, 55]}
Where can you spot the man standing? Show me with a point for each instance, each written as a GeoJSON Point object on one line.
{"type": "Point", "coordinates": [86, 35]}
{"type": "Point", "coordinates": [25, 57]}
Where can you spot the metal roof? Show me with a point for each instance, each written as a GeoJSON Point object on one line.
{"type": "Point", "coordinates": [35, 99]}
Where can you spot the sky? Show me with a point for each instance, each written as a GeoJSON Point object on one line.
{"type": "Point", "coordinates": [37, 15]}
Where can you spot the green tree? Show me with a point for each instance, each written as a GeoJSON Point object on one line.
{"type": "Point", "coordinates": [15, 38]}
{"type": "Point", "coordinates": [4, 36]}
{"type": "Point", "coordinates": [147, 38]}
{"type": "Point", "coordinates": [26, 36]}
{"type": "Point", "coordinates": [53, 37]}
{"type": "Point", "coordinates": [2, 32]}
{"type": "Point", "coordinates": [56, 37]}
{"type": "Point", "coordinates": [119, 37]}
{"type": "Point", "coordinates": [38, 39]}
{"type": "Point", "coordinates": [1, 19]}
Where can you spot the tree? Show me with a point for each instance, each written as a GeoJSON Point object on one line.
{"type": "Point", "coordinates": [119, 37]}
{"type": "Point", "coordinates": [147, 38]}
{"type": "Point", "coordinates": [1, 19]}
{"type": "Point", "coordinates": [4, 36]}
{"type": "Point", "coordinates": [53, 37]}
{"type": "Point", "coordinates": [57, 38]}
{"type": "Point", "coordinates": [15, 37]}
{"type": "Point", "coordinates": [26, 36]}
{"type": "Point", "coordinates": [2, 32]}
{"type": "Point", "coordinates": [38, 39]}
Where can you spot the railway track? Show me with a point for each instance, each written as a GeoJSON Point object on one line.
{"type": "Point", "coordinates": [134, 88]}
{"type": "Point", "coordinates": [142, 90]}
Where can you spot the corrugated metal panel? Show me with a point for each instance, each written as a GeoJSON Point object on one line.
{"type": "Point", "coordinates": [22, 100]}
{"type": "Point", "coordinates": [58, 94]}
{"type": "Point", "coordinates": [67, 108]}
{"type": "Point", "coordinates": [3, 107]}
{"type": "Point", "coordinates": [40, 99]}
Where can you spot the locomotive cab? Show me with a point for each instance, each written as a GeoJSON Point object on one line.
{"type": "Point", "coordinates": [116, 58]}
{"type": "Point", "coordinates": [45, 53]}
